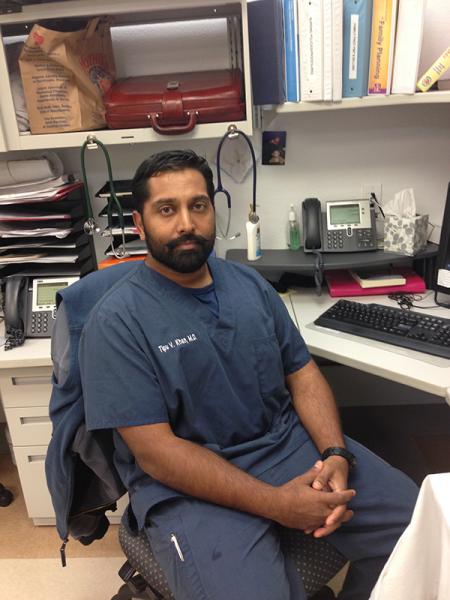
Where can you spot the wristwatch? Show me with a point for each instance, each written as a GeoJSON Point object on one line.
{"type": "Point", "coordinates": [338, 451]}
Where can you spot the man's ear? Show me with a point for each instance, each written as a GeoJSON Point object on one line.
{"type": "Point", "coordinates": [137, 220]}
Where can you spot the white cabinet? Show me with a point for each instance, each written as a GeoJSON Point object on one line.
{"type": "Point", "coordinates": [125, 15]}
{"type": "Point", "coordinates": [25, 393]}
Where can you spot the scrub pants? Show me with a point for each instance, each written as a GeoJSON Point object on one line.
{"type": "Point", "coordinates": [209, 552]}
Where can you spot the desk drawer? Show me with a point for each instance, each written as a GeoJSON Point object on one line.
{"type": "Point", "coordinates": [31, 466]}
{"type": "Point", "coordinates": [29, 426]}
{"type": "Point", "coordinates": [26, 387]}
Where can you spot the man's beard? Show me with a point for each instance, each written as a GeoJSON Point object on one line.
{"type": "Point", "coordinates": [181, 261]}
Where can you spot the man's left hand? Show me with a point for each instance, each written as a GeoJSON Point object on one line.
{"type": "Point", "coordinates": [333, 476]}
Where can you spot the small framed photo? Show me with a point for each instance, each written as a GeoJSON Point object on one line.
{"type": "Point", "coordinates": [274, 148]}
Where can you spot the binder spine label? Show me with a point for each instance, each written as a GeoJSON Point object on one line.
{"type": "Point", "coordinates": [353, 50]}
{"type": "Point", "coordinates": [380, 46]}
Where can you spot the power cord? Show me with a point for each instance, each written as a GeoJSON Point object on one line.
{"type": "Point", "coordinates": [406, 301]}
{"type": "Point", "coordinates": [318, 271]}
{"type": "Point", "coordinates": [373, 197]}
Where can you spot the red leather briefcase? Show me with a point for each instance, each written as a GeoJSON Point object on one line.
{"type": "Point", "coordinates": [175, 103]}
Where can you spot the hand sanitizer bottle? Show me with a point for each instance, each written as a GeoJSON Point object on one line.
{"type": "Point", "coordinates": [253, 236]}
{"type": "Point", "coordinates": [293, 230]}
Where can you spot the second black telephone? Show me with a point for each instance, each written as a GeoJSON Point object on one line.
{"type": "Point", "coordinates": [344, 226]}
{"type": "Point", "coordinates": [30, 303]}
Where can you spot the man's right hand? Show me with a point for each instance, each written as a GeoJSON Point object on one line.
{"type": "Point", "coordinates": [300, 506]}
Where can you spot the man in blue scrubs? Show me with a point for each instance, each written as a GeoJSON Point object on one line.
{"type": "Point", "coordinates": [224, 427]}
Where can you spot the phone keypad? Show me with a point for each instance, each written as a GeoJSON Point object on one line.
{"type": "Point", "coordinates": [335, 239]}
{"type": "Point", "coordinates": [39, 323]}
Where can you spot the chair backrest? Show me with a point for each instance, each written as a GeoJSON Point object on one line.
{"type": "Point", "coordinates": [66, 410]}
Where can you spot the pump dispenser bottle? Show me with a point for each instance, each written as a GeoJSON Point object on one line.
{"type": "Point", "coordinates": [293, 230]}
{"type": "Point", "coordinates": [253, 236]}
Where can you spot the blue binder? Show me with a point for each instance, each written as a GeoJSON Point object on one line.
{"type": "Point", "coordinates": [291, 51]}
{"type": "Point", "coordinates": [357, 20]}
{"type": "Point", "coordinates": [266, 40]}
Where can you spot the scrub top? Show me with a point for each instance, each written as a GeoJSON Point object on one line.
{"type": "Point", "coordinates": [152, 353]}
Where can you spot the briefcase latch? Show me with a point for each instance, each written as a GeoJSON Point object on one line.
{"type": "Point", "coordinates": [173, 85]}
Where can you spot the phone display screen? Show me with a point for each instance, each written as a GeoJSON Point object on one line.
{"type": "Point", "coordinates": [347, 214]}
{"type": "Point", "coordinates": [46, 292]}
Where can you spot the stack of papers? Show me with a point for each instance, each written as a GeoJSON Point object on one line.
{"type": "Point", "coordinates": [36, 222]}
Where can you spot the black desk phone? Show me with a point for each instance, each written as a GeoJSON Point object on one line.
{"type": "Point", "coordinates": [30, 303]}
{"type": "Point", "coordinates": [344, 226]}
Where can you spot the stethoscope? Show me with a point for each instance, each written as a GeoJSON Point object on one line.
{"type": "Point", "coordinates": [232, 132]}
{"type": "Point", "coordinates": [90, 226]}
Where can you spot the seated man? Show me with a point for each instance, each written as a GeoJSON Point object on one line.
{"type": "Point", "coordinates": [224, 426]}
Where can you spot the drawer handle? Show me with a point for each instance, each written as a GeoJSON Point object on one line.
{"type": "Point", "coordinates": [35, 380]}
{"type": "Point", "coordinates": [34, 420]}
{"type": "Point", "coordinates": [36, 458]}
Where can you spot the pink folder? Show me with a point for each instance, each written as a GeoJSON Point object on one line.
{"type": "Point", "coordinates": [341, 283]}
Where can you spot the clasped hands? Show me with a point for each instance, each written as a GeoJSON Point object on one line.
{"type": "Point", "coordinates": [316, 501]}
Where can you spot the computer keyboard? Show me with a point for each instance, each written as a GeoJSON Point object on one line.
{"type": "Point", "coordinates": [416, 331]}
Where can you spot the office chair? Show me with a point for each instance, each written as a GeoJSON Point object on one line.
{"type": "Point", "coordinates": [315, 559]}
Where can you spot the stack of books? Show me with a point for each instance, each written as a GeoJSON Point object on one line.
{"type": "Point", "coordinates": [326, 50]}
{"type": "Point", "coordinates": [365, 282]}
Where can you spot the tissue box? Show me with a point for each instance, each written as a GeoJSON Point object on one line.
{"type": "Point", "coordinates": [406, 235]}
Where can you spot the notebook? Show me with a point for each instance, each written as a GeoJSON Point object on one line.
{"type": "Point", "coordinates": [341, 283]}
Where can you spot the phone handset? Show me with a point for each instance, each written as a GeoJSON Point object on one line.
{"type": "Point", "coordinates": [312, 224]}
{"type": "Point", "coordinates": [15, 299]}
{"type": "Point", "coordinates": [16, 289]}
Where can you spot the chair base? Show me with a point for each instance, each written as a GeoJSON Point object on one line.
{"type": "Point", "coordinates": [5, 496]}
{"type": "Point", "coordinates": [135, 586]}
{"type": "Point", "coordinates": [125, 593]}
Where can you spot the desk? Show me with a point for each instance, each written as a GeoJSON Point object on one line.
{"type": "Point", "coordinates": [415, 369]}
{"type": "Point", "coordinates": [418, 568]}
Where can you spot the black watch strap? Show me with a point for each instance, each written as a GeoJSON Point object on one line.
{"type": "Point", "coordinates": [338, 451]}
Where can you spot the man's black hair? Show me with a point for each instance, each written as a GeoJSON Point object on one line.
{"type": "Point", "coordinates": [170, 160]}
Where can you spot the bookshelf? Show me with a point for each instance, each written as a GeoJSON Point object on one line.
{"type": "Point", "coordinates": [135, 12]}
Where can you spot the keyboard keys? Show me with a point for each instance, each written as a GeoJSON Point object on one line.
{"type": "Point", "coordinates": [413, 330]}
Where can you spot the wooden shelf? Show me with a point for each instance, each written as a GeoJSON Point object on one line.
{"type": "Point", "coordinates": [86, 8]}
{"type": "Point", "coordinates": [437, 97]}
{"type": "Point", "coordinates": [75, 139]}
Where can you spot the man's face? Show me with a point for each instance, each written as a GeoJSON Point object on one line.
{"type": "Point", "coordinates": [177, 221]}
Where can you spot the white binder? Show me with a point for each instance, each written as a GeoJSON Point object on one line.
{"type": "Point", "coordinates": [310, 17]}
{"type": "Point", "coordinates": [327, 50]}
{"type": "Point", "coordinates": [337, 18]}
{"type": "Point", "coordinates": [332, 49]}
{"type": "Point", "coordinates": [408, 44]}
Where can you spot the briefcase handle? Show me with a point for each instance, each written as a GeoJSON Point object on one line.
{"type": "Point", "coordinates": [174, 129]}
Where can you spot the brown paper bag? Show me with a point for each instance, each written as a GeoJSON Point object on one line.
{"type": "Point", "coordinates": [65, 75]}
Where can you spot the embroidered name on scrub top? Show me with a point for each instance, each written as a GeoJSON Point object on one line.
{"type": "Point", "coordinates": [207, 295]}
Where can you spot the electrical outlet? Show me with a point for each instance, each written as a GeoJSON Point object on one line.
{"type": "Point", "coordinates": [369, 188]}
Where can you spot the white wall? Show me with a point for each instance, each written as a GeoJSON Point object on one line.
{"type": "Point", "coordinates": [329, 155]}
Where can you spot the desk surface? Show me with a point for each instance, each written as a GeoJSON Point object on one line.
{"type": "Point", "coordinates": [416, 369]}
{"type": "Point", "coordinates": [421, 371]}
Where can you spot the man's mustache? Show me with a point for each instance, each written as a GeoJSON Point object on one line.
{"type": "Point", "coordinates": [189, 237]}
